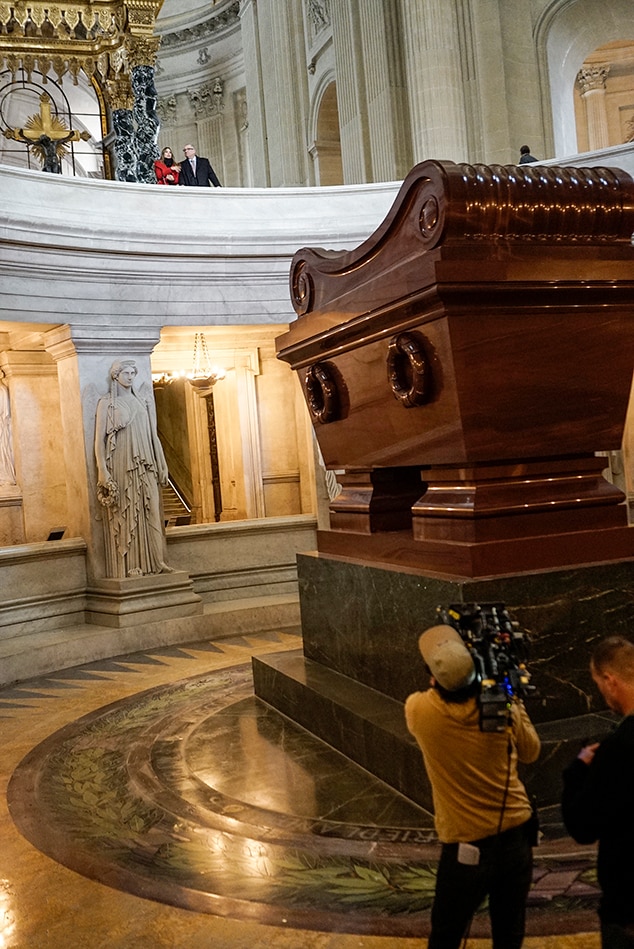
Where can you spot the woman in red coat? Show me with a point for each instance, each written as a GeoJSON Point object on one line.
{"type": "Point", "coordinates": [166, 169]}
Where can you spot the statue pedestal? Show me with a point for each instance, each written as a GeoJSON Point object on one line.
{"type": "Point", "coordinates": [137, 600]}
{"type": "Point", "coordinates": [360, 625]}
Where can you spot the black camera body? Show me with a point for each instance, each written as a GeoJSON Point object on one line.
{"type": "Point", "coordinates": [500, 650]}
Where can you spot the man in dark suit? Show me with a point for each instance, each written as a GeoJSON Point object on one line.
{"type": "Point", "coordinates": [197, 172]}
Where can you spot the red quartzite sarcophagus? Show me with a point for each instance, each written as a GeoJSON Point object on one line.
{"type": "Point", "coordinates": [464, 365]}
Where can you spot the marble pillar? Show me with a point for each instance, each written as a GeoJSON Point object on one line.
{"type": "Point", "coordinates": [146, 122]}
{"type": "Point", "coordinates": [124, 145]}
{"type": "Point", "coordinates": [11, 523]}
{"type": "Point", "coordinates": [7, 464]}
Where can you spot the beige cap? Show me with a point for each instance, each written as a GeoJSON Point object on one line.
{"type": "Point", "coordinates": [447, 657]}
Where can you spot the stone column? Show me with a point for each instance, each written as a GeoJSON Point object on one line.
{"type": "Point", "coordinates": [351, 100]}
{"type": "Point", "coordinates": [208, 104]}
{"type": "Point", "coordinates": [260, 173]}
{"type": "Point", "coordinates": [84, 356]}
{"type": "Point", "coordinates": [434, 79]}
{"type": "Point", "coordinates": [386, 93]}
{"type": "Point", "coordinates": [121, 99]}
{"type": "Point", "coordinates": [591, 81]}
{"type": "Point", "coordinates": [276, 89]}
{"type": "Point", "coordinates": [285, 92]}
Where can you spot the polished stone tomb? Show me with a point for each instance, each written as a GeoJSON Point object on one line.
{"type": "Point", "coordinates": [462, 368]}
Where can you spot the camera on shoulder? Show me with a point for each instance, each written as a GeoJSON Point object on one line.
{"type": "Point", "coordinates": [499, 649]}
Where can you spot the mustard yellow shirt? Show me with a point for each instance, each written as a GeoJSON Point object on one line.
{"type": "Point", "coordinates": [468, 768]}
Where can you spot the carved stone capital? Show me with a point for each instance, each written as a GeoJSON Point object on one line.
{"type": "Point", "coordinates": [167, 109]}
{"type": "Point", "coordinates": [591, 78]}
{"type": "Point", "coordinates": [208, 99]}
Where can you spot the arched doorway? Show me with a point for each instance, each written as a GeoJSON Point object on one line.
{"type": "Point", "coordinates": [327, 147]}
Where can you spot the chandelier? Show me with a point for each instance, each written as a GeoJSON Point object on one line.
{"type": "Point", "coordinates": [202, 376]}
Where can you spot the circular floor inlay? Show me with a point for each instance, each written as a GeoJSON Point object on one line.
{"type": "Point", "coordinates": [200, 796]}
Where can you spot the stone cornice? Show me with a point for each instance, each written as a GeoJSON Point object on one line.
{"type": "Point", "coordinates": [216, 24]}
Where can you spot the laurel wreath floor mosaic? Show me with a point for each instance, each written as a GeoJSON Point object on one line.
{"type": "Point", "coordinates": [196, 794]}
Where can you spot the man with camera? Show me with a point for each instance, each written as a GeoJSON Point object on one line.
{"type": "Point", "coordinates": [599, 794]}
{"type": "Point", "coordinates": [482, 812]}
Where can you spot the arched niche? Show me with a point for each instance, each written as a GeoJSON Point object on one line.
{"type": "Point", "coordinates": [568, 32]}
{"type": "Point", "coordinates": [604, 97]}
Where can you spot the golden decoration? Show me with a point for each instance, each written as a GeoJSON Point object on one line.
{"type": "Point", "coordinates": [119, 93]}
{"type": "Point", "coordinates": [75, 36]}
{"type": "Point", "coordinates": [45, 133]}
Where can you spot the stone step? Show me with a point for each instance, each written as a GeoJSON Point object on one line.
{"type": "Point", "coordinates": [368, 726]}
{"type": "Point", "coordinates": [23, 657]}
{"type": "Point", "coordinates": [175, 512]}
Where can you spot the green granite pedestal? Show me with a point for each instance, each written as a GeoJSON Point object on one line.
{"type": "Point", "coordinates": [360, 659]}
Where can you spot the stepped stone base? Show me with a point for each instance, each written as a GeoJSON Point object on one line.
{"type": "Point", "coordinates": [135, 601]}
{"type": "Point", "coordinates": [369, 727]}
{"type": "Point", "coordinates": [360, 660]}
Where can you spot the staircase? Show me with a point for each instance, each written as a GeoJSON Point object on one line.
{"type": "Point", "coordinates": [175, 510]}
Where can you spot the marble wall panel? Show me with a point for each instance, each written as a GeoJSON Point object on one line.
{"type": "Point", "coordinates": [364, 622]}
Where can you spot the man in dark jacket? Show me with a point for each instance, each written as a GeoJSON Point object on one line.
{"type": "Point", "coordinates": [196, 172]}
{"type": "Point", "coordinates": [598, 797]}
{"type": "Point", "coordinates": [525, 156]}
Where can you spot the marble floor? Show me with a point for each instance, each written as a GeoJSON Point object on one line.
{"type": "Point", "coordinates": [152, 801]}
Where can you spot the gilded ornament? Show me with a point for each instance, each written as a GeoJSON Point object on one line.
{"type": "Point", "coordinates": [37, 16]}
{"type": "Point", "coordinates": [141, 51]}
{"type": "Point", "coordinates": [44, 65]}
{"type": "Point", "coordinates": [28, 65]}
{"type": "Point", "coordinates": [74, 68]}
{"type": "Point", "coordinates": [119, 93]}
{"type": "Point", "coordinates": [12, 63]}
{"type": "Point", "coordinates": [59, 65]}
{"type": "Point", "coordinates": [103, 64]}
{"type": "Point", "coordinates": [118, 60]}
{"type": "Point", "coordinates": [89, 65]}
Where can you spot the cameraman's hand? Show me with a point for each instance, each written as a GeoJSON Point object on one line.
{"type": "Point", "coordinates": [587, 752]}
